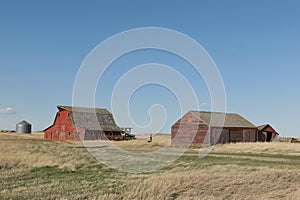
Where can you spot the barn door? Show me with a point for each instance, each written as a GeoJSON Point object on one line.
{"type": "Point", "coordinates": [269, 136]}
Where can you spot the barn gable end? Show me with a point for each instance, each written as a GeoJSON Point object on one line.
{"type": "Point", "coordinates": [189, 129]}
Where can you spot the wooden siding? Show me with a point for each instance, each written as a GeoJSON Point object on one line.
{"type": "Point", "coordinates": [102, 135]}
{"type": "Point", "coordinates": [262, 135]}
{"type": "Point", "coordinates": [219, 135]}
{"type": "Point", "coordinates": [63, 128]}
{"type": "Point", "coordinates": [189, 129]}
{"type": "Point", "coordinates": [192, 130]}
{"type": "Point", "coordinates": [226, 135]}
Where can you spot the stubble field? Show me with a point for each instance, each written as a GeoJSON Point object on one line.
{"type": "Point", "coordinates": [33, 168]}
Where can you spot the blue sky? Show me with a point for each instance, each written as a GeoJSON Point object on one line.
{"type": "Point", "coordinates": [255, 45]}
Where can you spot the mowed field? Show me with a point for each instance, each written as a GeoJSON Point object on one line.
{"type": "Point", "coordinates": [33, 168]}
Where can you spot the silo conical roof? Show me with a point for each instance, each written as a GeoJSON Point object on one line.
{"type": "Point", "coordinates": [24, 123]}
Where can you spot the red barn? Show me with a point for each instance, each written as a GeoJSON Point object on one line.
{"type": "Point", "coordinates": [75, 123]}
{"type": "Point", "coordinates": [266, 133]}
{"type": "Point", "coordinates": [194, 126]}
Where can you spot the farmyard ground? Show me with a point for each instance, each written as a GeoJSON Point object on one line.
{"type": "Point", "coordinates": [36, 169]}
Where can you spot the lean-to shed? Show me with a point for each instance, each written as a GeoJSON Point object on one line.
{"type": "Point", "coordinates": [266, 133]}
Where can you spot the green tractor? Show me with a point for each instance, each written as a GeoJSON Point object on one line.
{"type": "Point", "coordinates": [128, 136]}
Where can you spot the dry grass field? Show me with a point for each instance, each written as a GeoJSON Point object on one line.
{"type": "Point", "coordinates": [33, 168]}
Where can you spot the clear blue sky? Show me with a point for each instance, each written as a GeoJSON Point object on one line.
{"type": "Point", "coordinates": [255, 44]}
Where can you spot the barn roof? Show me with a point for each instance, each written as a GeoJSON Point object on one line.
{"type": "Point", "coordinates": [262, 127]}
{"type": "Point", "coordinates": [92, 118]}
{"type": "Point", "coordinates": [84, 110]}
{"type": "Point", "coordinates": [232, 120]}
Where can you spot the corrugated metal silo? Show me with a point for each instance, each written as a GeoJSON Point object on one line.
{"type": "Point", "coordinates": [23, 127]}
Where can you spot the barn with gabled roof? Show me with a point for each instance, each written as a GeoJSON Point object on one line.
{"type": "Point", "coordinates": [75, 123]}
{"type": "Point", "coordinates": [194, 126]}
{"type": "Point", "coordinates": [266, 133]}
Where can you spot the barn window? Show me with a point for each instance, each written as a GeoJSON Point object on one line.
{"type": "Point", "coordinates": [69, 114]}
{"type": "Point", "coordinates": [58, 115]}
{"type": "Point", "coordinates": [69, 133]}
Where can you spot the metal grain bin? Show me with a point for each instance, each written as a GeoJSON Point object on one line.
{"type": "Point", "coordinates": [23, 127]}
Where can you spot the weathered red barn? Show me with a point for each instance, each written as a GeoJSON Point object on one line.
{"type": "Point", "coordinates": [75, 123]}
{"type": "Point", "coordinates": [266, 133]}
{"type": "Point", "coordinates": [194, 126]}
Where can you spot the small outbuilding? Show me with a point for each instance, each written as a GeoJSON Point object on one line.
{"type": "Point", "coordinates": [266, 133]}
{"type": "Point", "coordinates": [78, 123]}
{"type": "Point", "coordinates": [23, 127]}
{"type": "Point", "coordinates": [194, 126]}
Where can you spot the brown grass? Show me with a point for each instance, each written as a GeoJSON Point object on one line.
{"type": "Point", "coordinates": [260, 147]}
{"type": "Point", "coordinates": [141, 143]}
{"type": "Point", "coordinates": [32, 150]}
{"type": "Point", "coordinates": [219, 183]}
{"type": "Point", "coordinates": [36, 169]}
